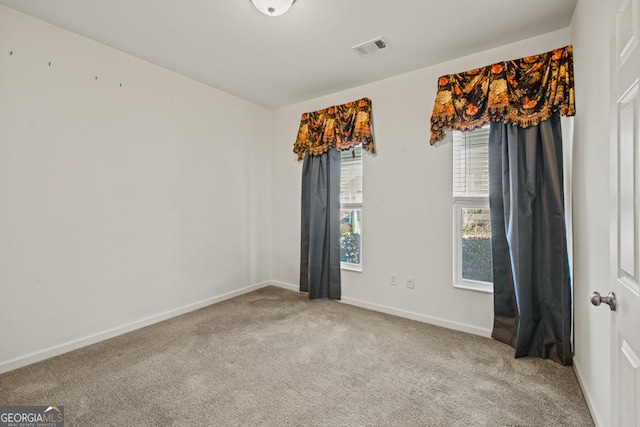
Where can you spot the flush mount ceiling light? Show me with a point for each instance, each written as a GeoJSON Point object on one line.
{"type": "Point", "coordinates": [273, 7]}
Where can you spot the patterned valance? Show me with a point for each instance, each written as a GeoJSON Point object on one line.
{"type": "Point", "coordinates": [341, 127]}
{"type": "Point", "coordinates": [523, 92]}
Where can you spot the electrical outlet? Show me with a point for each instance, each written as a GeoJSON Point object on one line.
{"type": "Point", "coordinates": [394, 279]}
{"type": "Point", "coordinates": [411, 282]}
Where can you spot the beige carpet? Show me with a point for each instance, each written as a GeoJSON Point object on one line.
{"type": "Point", "coordinates": [274, 358]}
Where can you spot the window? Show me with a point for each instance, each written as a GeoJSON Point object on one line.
{"type": "Point", "coordinates": [351, 209]}
{"type": "Point", "coordinates": [472, 225]}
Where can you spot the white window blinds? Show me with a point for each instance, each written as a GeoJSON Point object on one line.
{"type": "Point", "coordinates": [351, 176]}
{"type": "Point", "coordinates": [471, 163]}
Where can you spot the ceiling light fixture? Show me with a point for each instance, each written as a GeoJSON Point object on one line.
{"type": "Point", "coordinates": [273, 7]}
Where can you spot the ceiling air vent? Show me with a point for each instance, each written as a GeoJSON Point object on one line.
{"type": "Point", "coordinates": [371, 46]}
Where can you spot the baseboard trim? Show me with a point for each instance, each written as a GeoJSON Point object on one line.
{"type": "Point", "coordinates": [463, 327]}
{"type": "Point", "coordinates": [284, 285]}
{"type": "Point", "coordinates": [587, 397]}
{"type": "Point", "coordinates": [57, 350]}
{"type": "Point", "coordinates": [402, 313]}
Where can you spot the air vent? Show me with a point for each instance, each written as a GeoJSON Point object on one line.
{"type": "Point", "coordinates": [371, 46]}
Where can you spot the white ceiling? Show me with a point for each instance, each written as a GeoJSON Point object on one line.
{"type": "Point", "coordinates": [278, 61]}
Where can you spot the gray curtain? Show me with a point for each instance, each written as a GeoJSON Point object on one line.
{"type": "Point", "coordinates": [320, 240]}
{"type": "Point", "coordinates": [532, 285]}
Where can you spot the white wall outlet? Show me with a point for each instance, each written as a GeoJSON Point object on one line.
{"type": "Point", "coordinates": [411, 282]}
{"type": "Point", "coordinates": [394, 279]}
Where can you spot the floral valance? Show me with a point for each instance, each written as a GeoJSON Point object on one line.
{"type": "Point", "coordinates": [523, 92]}
{"type": "Point", "coordinates": [341, 127]}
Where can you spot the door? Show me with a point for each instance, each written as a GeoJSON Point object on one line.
{"type": "Point", "coordinates": [625, 212]}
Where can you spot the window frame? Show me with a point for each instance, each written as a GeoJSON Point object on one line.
{"type": "Point", "coordinates": [347, 266]}
{"type": "Point", "coordinates": [460, 202]}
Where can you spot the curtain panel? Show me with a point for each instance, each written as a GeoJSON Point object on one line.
{"type": "Point", "coordinates": [531, 278]}
{"type": "Point", "coordinates": [320, 226]}
{"type": "Point", "coordinates": [522, 92]}
{"type": "Point", "coordinates": [340, 127]}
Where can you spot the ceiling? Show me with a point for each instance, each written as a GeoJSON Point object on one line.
{"type": "Point", "coordinates": [305, 53]}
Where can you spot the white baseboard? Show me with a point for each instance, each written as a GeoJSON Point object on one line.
{"type": "Point", "coordinates": [284, 285]}
{"type": "Point", "coordinates": [402, 313]}
{"type": "Point", "coordinates": [47, 353]}
{"type": "Point", "coordinates": [597, 420]}
{"type": "Point", "coordinates": [419, 317]}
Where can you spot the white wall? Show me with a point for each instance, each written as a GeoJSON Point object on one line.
{"type": "Point", "coordinates": [118, 203]}
{"type": "Point", "coordinates": [590, 38]}
{"type": "Point", "coordinates": [407, 212]}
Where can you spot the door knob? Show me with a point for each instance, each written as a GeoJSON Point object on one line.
{"type": "Point", "coordinates": [597, 299]}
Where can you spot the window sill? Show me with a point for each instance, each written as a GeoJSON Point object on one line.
{"type": "Point", "coordinates": [351, 267]}
{"type": "Point", "coordinates": [483, 287]}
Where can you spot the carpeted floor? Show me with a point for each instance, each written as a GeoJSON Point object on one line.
{"type": "Point", "coordinates": [274, 358]}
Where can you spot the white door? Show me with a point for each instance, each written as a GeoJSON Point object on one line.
{"type": "Point", "coordinates": [625, 212]}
